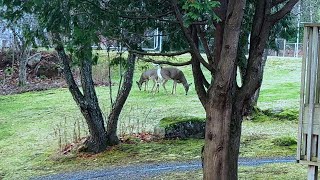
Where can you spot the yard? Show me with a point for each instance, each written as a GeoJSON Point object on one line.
{"type": "Point", "coordinates": [36, 126]}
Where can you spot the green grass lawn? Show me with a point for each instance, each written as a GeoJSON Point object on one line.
{"type": "Point", "coordinates": [33, 125]}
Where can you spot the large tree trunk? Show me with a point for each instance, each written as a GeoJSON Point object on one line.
{"type": "Point", "coordinates": [87, 101]}
{"type": "Point", "coordinates": [223, 124]}
{"type": "Point", "coordinates": [222, 141]}
{"type": "Point", "coordinates": [119, 102]}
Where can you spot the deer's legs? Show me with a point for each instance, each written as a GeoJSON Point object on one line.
{"type": "Point", "coordinates": [174, 88]}
{"type": "Point", "coordinates": [164, 84]}
{"type": "Point", "coordinates": [146, 85]}
{"type": "Point", "coordinates": [154, 84]}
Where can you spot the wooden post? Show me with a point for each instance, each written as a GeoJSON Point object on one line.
{"type": "Point", "coordinates": [308, 149]}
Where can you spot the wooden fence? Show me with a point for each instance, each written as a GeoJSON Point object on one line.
{"type": "Point", "coordinates": [308, 149]}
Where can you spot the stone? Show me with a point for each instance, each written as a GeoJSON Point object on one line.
{"type": "Point", "coordinates": [47, 69]}
{"type": "Point", "coordinates": [34, 60]}
{"type": "Point", "coordinates": [181, 127]}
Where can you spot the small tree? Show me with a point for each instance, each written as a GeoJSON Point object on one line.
{"type": "Point", "coordinates": [74, 27]}
{"type": "Point", "coordinates": [22, 42]}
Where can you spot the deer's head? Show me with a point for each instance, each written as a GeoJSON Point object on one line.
{"type": "Point", "coordinates": [186, 88]}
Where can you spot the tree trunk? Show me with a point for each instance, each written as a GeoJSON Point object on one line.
{"type": "Point", "coordinates": [222, 141]}
{"type": "Point", "coordinates": [254, 99]}
{"type": "Point", "coordinates": [97, 141]}
{"type": "Point", "coordinates": [23, 60]}
{"type": "Point", "coordinates": [120, 101]}
{"type": "Point", "coordinates": [86, 101]}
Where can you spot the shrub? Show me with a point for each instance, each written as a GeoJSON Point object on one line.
{"type": "Point", "coordinates": [288, 114]}
{"type": "Point", "coordinates": [259, 115]}
{"type": "Point", "coordinates": [284, 141]}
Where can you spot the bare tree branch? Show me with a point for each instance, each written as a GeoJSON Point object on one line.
{"type": "Point", "coordinates": [166, 62]}
{"type": "Point", "coordinates": [159, 54]}
{"type": "Point", "coordinates": [199, 81]}
{"type": "Point", "coordinates": [277, 2]}
{"type": "Point", "coordinates": [284, 10]}
{"type": "Point", "coordinates": [205, 44]}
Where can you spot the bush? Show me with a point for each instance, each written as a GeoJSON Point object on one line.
{"type": "Point", "coordinates": [259, 115]}
{"type": "Point", "coordinates": [181, 127]}
{"type": "Point", "coordinates": [284, 141]}
{"type": "Point", "coordinates": [288, 114]}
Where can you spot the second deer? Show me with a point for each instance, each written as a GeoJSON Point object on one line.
{"type": "Point", "coordinates": [177, 76]}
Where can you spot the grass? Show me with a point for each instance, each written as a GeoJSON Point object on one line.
{"type": "Point", "coordinates": [29, 123]}
{"type": "Point", "coordinates": [288, 171]}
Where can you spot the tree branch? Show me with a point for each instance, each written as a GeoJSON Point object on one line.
{"type": "Point", "coordinates": [277, 2]}
{"type": "Point", "coordinates": [199, 82]}
{"type": "Point", "coordinates": [166, 62]}
{"type": "Point", "coordinates": [159, 54]}
{"type": "Point", "coordinates": [284, 10]}
{"type": "Point", "coordinates": [73, 88]}
{"type": "Point", "coordinates": [194, 49]}
{"type": "Point", "coordinates": [205, 44]}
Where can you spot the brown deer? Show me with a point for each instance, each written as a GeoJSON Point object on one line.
{"type": "Point", "coordinates": [177, 76]}
{"type": "Point", "coordinates": [150, 74]}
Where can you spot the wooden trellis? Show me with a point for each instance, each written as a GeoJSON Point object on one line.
{"type": "Point", "coordinates": [308, 150]}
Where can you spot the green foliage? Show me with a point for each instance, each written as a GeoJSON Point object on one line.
{"type": "Point", "coordinates": [288, 114]}
{"type": "Point", "coordinates": [168, 121]}
{"type": "Point", "coordinates": [284, 141]}
{"type": "Point", "coordinates": [8, 71]}
{"type": "Point", "coordinates": [259, 115]}
{"type": "Point", "coordinates": [199, 11]}
{"type": "Point", "coordinates": [119, 61]}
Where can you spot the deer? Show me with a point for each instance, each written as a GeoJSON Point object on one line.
{"type": "Point", "coordinates": [150, 74]}
{"type": "Point", "coordinates": [177, 76]}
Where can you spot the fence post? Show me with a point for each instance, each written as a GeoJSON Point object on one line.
{"type": "Point", "coordinates": [308, 149]}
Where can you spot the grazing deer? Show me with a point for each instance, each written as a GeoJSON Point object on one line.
{"type": "Point", "coordinates": [146, 76]}
{"type": "Point", "coordinates": [177, 76]}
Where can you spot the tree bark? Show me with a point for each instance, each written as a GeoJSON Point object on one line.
{"type": "Point", "coordinates": [23, 60]}
{"type": "Point", "coordinates": [120, 101]}
{"type": "Point", "coordinates": [223, 124]}
{"type": "Point", "coordinates": [97, 141]}
{"type": "Point", "coordinates": [86, 101]}
{"type": "Point", "coordinates": [222, 141]}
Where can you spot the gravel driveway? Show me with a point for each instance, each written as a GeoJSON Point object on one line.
{"type": "Point", "coordinates": [142, 171]}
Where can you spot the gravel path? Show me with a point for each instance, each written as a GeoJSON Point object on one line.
{"type": "Point", "coordinates": [142, 171]}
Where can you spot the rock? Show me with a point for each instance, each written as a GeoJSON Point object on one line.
{"type": "Point", "coordinates": [34, 60]}
{"type": "Point", "coordinates": [47, 69]}
{"type": "Point", "coordinates": [181, 127]}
